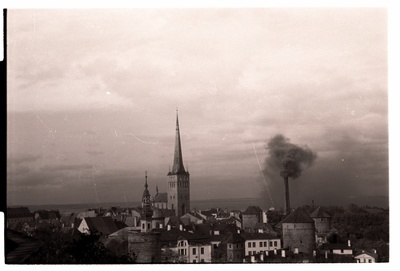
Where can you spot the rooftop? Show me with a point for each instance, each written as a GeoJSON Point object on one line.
{"type": "Point", "coordinates": [298, 216]}
{"type": "Point", "coordinates": [318, 213]}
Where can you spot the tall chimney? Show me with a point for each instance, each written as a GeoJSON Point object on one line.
{"type": "Point", "coordinates": [285, 176]}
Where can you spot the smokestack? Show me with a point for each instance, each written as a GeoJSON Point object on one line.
{"type": "Point", "coordinates": [285, 175]}
{"type": "Point", "coordinates": [288, 159]}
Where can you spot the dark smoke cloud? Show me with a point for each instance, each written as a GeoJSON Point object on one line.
{"type": "Point", "coordinates": [286, 156]}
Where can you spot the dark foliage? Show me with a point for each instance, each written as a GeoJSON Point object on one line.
{"type": "Point", "coordinates": [59, 247]}
{"type": "Point", "coordinates": [366, 229]}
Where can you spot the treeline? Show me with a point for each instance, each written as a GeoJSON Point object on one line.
{"type": "Point", "coordinates": [366, 227]}
{"type": "Point", "coordinates": [71, 247]}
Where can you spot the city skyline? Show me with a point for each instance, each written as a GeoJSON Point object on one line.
{"type": "Point", "coordinates": [91, 103]}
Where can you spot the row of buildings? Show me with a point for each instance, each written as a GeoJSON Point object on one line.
{"type": "Point", "coordinates": [164, 229]}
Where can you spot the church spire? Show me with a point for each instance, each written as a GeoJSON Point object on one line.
{"type": "Point", "coordinates": [178, 160]}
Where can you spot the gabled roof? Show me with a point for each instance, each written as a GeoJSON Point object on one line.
{"type": "Point", "coordinates": [257, 235]}
{"type": "Point", "coordinates": [329, 246]}
{"type": "Point", "coordinates": [161, 197]}
{"type": "Point", "coordinates": [104, 225]}
{"type": "Point", "coordinates": [298, 216]}
{"type": "Point", "coordinates": [19, 246]}
{"type": "Point", "coordinates": [358, 253]}
{"type": "Point", "coordinates": [15, 212]}
{"type": "Point", "coordinates": [235, 238]}
{"type": "Point", "coordinates": [45, 214]}
{"type": "Point", "coordinates": [318, 213]}
{"type": "Point", "coordinates": [175, 234]}
{"type": "Point", "coordinates": [252, 210]}
{"type": "Point", "coordinates": [209, 212]}
{"type": "Point", "coordinates": [265, 227]}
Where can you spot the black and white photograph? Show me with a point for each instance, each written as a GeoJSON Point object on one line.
{"type": "Point", "coordinates": [218, 135]}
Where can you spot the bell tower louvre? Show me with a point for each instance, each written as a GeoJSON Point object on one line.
{"type": "Point", "coordinates": [178, 179]}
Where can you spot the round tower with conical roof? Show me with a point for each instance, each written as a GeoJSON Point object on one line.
{"type": "Point", "coordinates": [298, 232]}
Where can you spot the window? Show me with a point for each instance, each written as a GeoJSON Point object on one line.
{"type": "Point", "coordinates": [143, 226]}
{"type": "Point", "coordinates": [261, 244]}
{"type": "Point", "coordinates": [249, 244]}
{"type": "Point", "coordinates": [194, 251]}
{"type": "Point", "coordinates": [194, 261]}
{"type": "Point", "coordinates": [254, 244]}
{"type": "Point", "coordinates": [202, 260]}
{"type": "Point", "coordinates": [369, 260]}
{"type": "Point", "coordinates": [276, 243]}
{"type": "Point", "coordinates": [202, 250]}
{"type": "Point", "coordinates": [148, 226]}
{"type": "Point", "coordinates": [265, 244]}
{"type": "Point", "coordinates": [249, 252]}
{"type": "Point", "coordinates": [230, 246]}
{"type": "Point", "coordinates": [270, 243]}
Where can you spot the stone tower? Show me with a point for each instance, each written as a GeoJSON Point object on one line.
{"type": "Point", "coordinates": [298, 232]}
{"type": "Point", "coordinates": [178, 187]}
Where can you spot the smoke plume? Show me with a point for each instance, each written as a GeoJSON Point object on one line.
{"type": "Point", "coordinates": [287, 157]}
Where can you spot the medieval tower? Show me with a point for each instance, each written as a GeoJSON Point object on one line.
{"type": "Point", "coordinates": [178, 187]}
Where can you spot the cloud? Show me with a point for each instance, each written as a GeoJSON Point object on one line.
{"type": "Point", "coordinates": [66, 167]}
{"type": "Point", "coordinates": [23, 158]}
{"type": "Point", "coordinates": [94, 152]}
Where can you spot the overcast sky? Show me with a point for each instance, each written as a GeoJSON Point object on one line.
{"type": "Point", "coordinates": [92, 98]}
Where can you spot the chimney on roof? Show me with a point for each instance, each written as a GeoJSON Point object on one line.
{"type": "Point", "coordinates": [374, 250]}
{"type": "Point", "coordinates": [349, 243]}
{"type": "Point", "coordinates": [264, 217]}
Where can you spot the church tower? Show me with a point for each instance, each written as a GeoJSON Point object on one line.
{"type": "Point", "coordinates": [146, 212]}
{"type": "Point", "coordinates": [178, 180]}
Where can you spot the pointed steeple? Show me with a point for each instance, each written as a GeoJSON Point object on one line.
{"type": "Point", "coordinates": [178, 160]}
{"type": "Point", "coordinates": [146, 193]}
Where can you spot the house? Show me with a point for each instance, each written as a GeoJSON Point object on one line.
{"type": "Point", "coordinates": [190, 218]}
{"type": "Point", "coordinates": [179, 246]}
{"type": "Point", "coordinates": [68, 221]}
{"type": "Point", "coordinates": [366, 256]}
{"type": "Point", "coordinates": [100, 224]}
{"type": "Point", "coordinates": [19, 214]}
{"type": "Point", "coordinates": [46, 215]}
{"type": "Point", "coordinates": [251, 216]}
{"type": "Point", "coordinates": [337, 248]}
{"type": "Point", "coordinates": [117, 242]}
{"type": "Point", "coordinates": [256, 243]}
{"type": "Point", "coordinates": [87, 213]}
{"type": "Point", "coordinates": [235, 248]}
{"type": "Point", "coordinates": [210, 214]}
